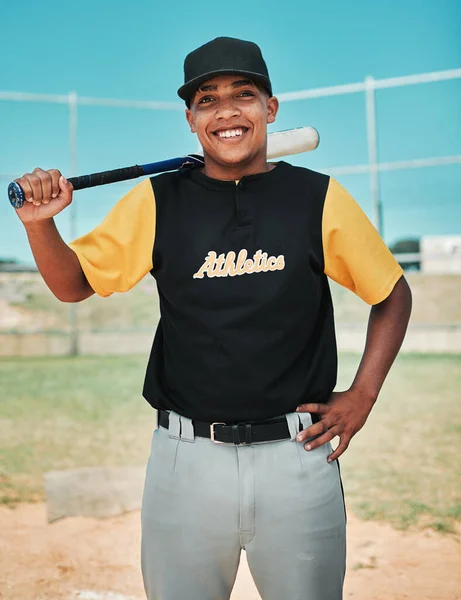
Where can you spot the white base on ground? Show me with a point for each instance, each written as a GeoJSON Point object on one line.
{"type": "Point", "coordinates": [89, 595]}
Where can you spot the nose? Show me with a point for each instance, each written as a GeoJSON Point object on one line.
{"type": "Point", "coordinates": [227, 109]}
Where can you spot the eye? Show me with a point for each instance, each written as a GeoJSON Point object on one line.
{"type": "Point", "coordinates": [205, 100]}
{"type": "Point", "coordinates": [246, 93]}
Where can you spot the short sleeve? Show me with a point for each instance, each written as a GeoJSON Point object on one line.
{"type": "Point", "coordinates": [118, 252]}
{"type": "Point", "coordinates": [355, 255]}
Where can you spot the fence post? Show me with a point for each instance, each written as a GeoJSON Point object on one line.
{"type": "Point", "coordinates": [373, 153]}
{"type": "Point", "coordinates": [73, 311]}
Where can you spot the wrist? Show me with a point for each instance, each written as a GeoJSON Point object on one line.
{"type": "Point", "coordinates": [366, 394]}
{"type": "Point", "coordinates": [38, 224]}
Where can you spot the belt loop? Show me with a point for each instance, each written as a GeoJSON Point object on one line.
{"type": "Point", "coordinates": [174, 426]}
{"type": "Point", "coordinates": [187, 430]}
{"type": "Point", "coordinates": [293, 422]}
{"type": "Point", "coordinates": [247, 433]}
{"type": "Point", "coordinates": [306, 419]}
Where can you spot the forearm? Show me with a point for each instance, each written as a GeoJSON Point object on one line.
{"type": "Point", "coordinates": [57, 263]}
{"type": "Point", "coordinates": [387, 326]}
{"type": "Point", "coordinates": [346, 412]}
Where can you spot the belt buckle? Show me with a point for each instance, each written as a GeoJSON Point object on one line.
{"type": "Point", "coordinates": [212, 434]}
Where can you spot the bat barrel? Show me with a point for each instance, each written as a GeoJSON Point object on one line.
{"type": "Point", "coordinates": [292, 141]}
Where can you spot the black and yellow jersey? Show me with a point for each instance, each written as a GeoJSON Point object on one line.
{"type": "Point", "coordinates": [246, 329]}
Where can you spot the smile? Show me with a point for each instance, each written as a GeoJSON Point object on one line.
{"type": "Point", "coordinates": [231, 133]}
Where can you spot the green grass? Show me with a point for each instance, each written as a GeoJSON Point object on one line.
{"type": "Point", "coordinates": [63, 413]}
{"type": "Point", "coordinates": [403, 467]}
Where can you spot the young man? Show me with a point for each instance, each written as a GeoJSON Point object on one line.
{"type": "Point", "coordinates": [243, 363]}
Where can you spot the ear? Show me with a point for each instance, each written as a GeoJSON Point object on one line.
{"type": "Point", "coordinates": [272, 109]}
{"type": "Point", "coordinates": [191, 121]}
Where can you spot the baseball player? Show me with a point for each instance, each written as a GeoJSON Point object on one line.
{"type": "Point", "coordinates": [244, 360]}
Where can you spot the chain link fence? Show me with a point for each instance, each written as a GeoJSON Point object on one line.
{"type": "Point", "coordinates": [402, 178]}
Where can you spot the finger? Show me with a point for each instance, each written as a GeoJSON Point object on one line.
{"type": "Point", "coordinates": [312, 431]}
{"type": "Point", "coordinates": [342, 447]}
{"type": "Point", "coordinates": [319, 409]}
{"type": "Point", "coordinates": [45, 180]}
{"type": "Point", "coordinates": [36, 186]}
{"type": "Point", "coordinates": [26, 187]}
{"type": "Point", "coordinates": [55, 175]}
{"type": "Point", "coordinates": [321, 440]}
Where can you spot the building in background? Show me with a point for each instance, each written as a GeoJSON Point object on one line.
{"type": "Point", "coordinates": [441, 254]}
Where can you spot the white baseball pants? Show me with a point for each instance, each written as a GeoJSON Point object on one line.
{"type": "Point", "coordinates": [204, 503]}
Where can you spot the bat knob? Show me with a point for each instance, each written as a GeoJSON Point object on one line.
{"type": "Point", "coordinates": [15, 195]}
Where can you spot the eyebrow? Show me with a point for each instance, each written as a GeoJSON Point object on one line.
{"type": "Point", "coordinates": [234, 85]}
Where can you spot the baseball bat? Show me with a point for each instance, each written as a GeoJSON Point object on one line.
{"type": "Point", "coordinates": [280, 143]}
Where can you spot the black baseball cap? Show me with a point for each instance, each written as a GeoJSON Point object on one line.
{"type": "Point", "coordinates": [221, 56]}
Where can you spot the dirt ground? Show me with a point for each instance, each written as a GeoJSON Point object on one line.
{"type": "Point", "coordinates": [99, 560]}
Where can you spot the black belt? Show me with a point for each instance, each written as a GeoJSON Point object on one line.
{"type": "Point", "coordinates": [240, 433]}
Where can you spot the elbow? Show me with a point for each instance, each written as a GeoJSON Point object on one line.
{"type": "Point", "coordinates": [70, 299]}
{"type": "Point", "coordinates": [70, 296]}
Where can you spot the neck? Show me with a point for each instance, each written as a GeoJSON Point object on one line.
{"type": "Point", "coordinates": [228, 172]}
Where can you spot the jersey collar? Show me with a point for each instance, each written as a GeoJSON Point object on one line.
{"type": "Point", "coordinates": [218, 184]}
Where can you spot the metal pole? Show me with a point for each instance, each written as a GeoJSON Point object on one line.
{"type": "Point", "coordinates": [373, 153]}
{"type": "Point", "coordinates": [73, 312]}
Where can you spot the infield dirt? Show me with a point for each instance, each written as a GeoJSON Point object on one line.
{"type": "Point", "coordinates": [55, 562]}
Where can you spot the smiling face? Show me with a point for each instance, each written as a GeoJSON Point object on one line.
{"type": "Point", "coordinates": [230, 113]}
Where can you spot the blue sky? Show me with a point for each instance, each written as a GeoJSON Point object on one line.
{"type": "Point", "coordinates": [136, 50]}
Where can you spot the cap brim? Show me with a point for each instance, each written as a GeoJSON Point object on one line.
{"type": "Point", "coordinates": [188, 89]}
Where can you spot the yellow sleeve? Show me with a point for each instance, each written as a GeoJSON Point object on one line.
{"type": "Point", "coordinates": [355, 255]}
{"type": "Point", "coordinates": [118, 252]}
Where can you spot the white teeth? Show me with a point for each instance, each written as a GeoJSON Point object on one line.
{"type": "Point", "coordinates": [230, 133]}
